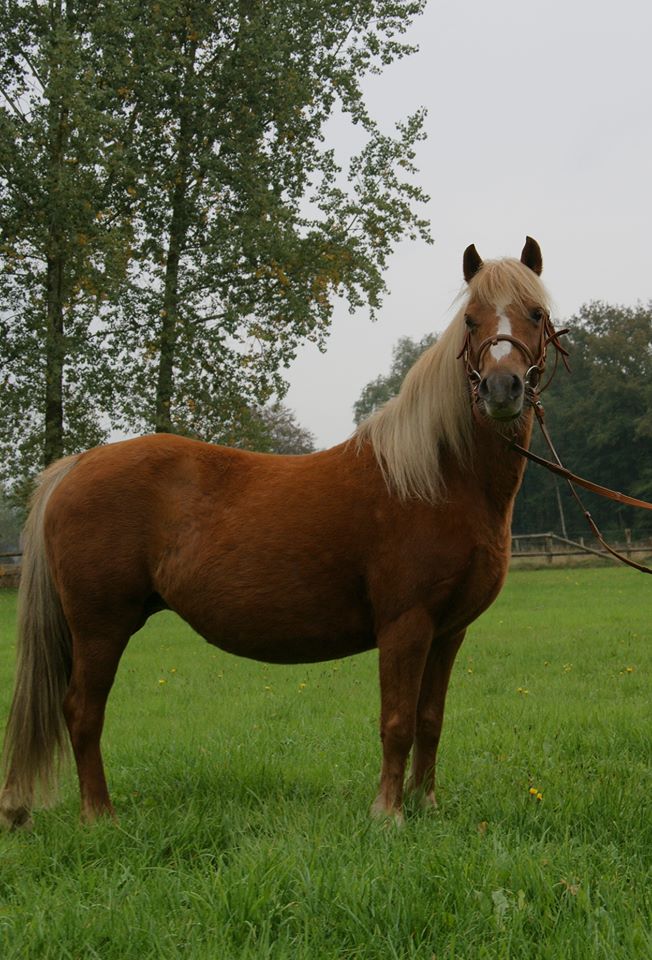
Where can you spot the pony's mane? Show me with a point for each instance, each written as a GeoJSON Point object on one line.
{"type": "Point", "coordinates": [432, 411]}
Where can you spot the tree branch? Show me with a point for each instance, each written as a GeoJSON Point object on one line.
{"type": "Point", "coordinates": [212, 316]}
{"type": "Point", "coordinates": [13, 105]}
{"type": "Point", "coordinates": [31, 66]}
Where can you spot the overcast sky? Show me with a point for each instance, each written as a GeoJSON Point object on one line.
{"type": "Point", "coordinates": [539, 122]}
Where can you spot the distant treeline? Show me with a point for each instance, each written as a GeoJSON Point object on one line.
{"type": "Point", "coordinates": [600, 418]}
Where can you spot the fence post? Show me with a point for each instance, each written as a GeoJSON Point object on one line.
{"type": "Point", "coordinates": [628, 541]}
{"type": "Point", "coordinates": [549, 548]}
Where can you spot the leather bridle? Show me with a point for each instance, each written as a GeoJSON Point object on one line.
{"type": "Point", "coordinates": [536, 365]}
{"type": "Point", "coordinates": [533, 389]}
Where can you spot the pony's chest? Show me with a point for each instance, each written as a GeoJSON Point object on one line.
{"type": "Point", "coordinates": [474, 590]}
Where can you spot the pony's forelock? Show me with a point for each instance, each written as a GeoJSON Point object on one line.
{"type": "Point", "coordinates": [505, 282]}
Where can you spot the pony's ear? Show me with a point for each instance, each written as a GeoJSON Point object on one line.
{"type": "Point", "coordinates": [471, 263]}
{"type": "Point", "coordinates": [531, 256]}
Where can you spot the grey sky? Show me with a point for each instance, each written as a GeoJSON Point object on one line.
{"type": "Point", "coordinates": [539, 122]}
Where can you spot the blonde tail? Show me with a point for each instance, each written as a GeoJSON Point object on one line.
{"type": "Point", "coordinates": [36, 735]}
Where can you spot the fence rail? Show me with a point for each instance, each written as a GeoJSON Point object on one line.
{"type": "Point", "coordinates": [555, 546]}
{"type": "Point", "coordinates": [10, 569]}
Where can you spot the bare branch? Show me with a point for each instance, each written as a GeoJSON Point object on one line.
{"type": "Point", "coordinates": [14, 106]}
{"type": "Point", "coordinates": [31, 66]}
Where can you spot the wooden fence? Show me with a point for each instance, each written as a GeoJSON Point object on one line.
{"type": "Point", "coordinates": [534, 547]}
{"type": "Point", "coordinates": [10, 569]}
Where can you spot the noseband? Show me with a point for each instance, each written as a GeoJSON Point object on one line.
{"type": "Point", "coordinates": [534, 373]}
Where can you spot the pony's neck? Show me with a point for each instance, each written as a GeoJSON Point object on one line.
{"type": "Point", "coordinates": [498, 468]}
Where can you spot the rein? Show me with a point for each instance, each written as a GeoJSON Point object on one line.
{"type": "Point", "coordinates": [532, 391]}
{"type": "Point", "coordinates": [572, 478]}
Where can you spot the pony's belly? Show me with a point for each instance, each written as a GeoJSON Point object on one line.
{"type": "Point", "coordinates": [277, 605]}
{"type": "Point", "coordinates": [281, 626]}
{"type": "Point", "coordinates": [294, 649]}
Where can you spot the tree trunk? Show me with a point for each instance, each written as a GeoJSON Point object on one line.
{"type": "Point", "coordinates": [54, 361]}
{"type": "Point", "coordinates": [54, 335]}
{"type": "Point", "coordinates": [163, 422]}
{"type": "Point", "coordinates": [169, 313]}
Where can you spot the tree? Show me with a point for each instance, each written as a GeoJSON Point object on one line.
{"type": "Point", "coordinates": [247, 229]}
{"type": "Point", "coordinates": [273, 429]}
{"type": "Point", "coordinates": [281, 432]}
{"type": "Point", "coordinates": [600, 418]}
{"type": "Point", "coordinates": [383, 388]}
{"type": "Point", "coordinates": [179, 144]}
{"type": "Point", "coordinates": [64, 230]}
{"type": "Point", "coordinates": [11, 521]}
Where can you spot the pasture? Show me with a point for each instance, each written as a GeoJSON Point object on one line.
{"type": "Point", "coordinates": [243, 793]}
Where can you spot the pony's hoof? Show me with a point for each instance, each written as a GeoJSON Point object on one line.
{"type": "Point", "coordinates": [428, 801]}
{"type": "Point", "coordinates": [15, 819]}
{"type": "Point", "coordinates": [389, 817]}
{"type": "Point", "coordinates": [421, 799]}
{"type": "Point", "coordinates": [89, 816]}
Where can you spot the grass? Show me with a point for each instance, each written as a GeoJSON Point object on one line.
{"type": "Point", "coordinates": [243, 793]}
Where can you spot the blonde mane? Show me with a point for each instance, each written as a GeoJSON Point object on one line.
{"type": "Point", "coordinates": [431, 413]}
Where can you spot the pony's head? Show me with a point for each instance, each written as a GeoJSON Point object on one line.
{"type": "Point", "coordinates": [507, 327]}
{"type": "Point", "coordinates": [502, 328]}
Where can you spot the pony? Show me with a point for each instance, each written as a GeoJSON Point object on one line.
{"type": "Point", "coordinates": [397, 538]}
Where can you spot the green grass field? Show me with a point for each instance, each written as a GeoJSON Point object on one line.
{"type": "Point", "coordinates": [243, 793]}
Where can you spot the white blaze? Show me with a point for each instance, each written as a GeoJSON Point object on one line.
{"type": "Point", "coordinates": [503, 348]}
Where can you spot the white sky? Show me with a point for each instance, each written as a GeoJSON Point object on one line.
{"type": "Point", "coordinates": [539, 122]}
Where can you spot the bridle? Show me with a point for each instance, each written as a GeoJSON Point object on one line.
{"type": "Point", "coordinates": [533, 390]}
{"type": "Point", "coordinates": [536, 365]}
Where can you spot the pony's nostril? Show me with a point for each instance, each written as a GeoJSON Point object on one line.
{"type": "Point", "coordinates": [517, 387]}
{"type": "Point", "coordinates": [483, 389]}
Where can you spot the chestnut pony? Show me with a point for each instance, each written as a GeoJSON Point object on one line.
{"type": "Point", "coordinates": [397, 539]}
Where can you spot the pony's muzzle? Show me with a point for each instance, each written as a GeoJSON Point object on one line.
{"type": "Point", "coordinates": [502, 394]}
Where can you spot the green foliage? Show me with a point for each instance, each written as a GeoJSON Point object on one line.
{"type": "Point", "coordinates": [174, 225]}
{"type": "Point", "coordinates": [600, 418]}
{"type": "Point", "coordinates": [64, 231]}
{"type": "Point", "coordinates": [247, 229]}
{"type": "Point", "coordinates": [11, 521]}
{"type": "Point", "coordinates": [280, 433]}
{"type": "Point", "coordinates": [243, 791]}
{"type": "Point", "coordinates": [383, 388]}
{"type": "Point", "coordinates": [267, 429]}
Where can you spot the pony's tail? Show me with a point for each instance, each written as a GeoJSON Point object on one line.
{"type": "Point", "coordinates": [36, 736]}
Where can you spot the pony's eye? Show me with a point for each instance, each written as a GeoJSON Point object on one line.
{"type": "Point", "coordinates": [537, 314]}
{"type": "Point", "coordinates": [470, 322]}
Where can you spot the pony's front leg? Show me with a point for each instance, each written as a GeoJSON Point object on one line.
{"type": "Point", "coordinates": [430, 716]}
{"type": "Point", "coordinates": [403, 647]}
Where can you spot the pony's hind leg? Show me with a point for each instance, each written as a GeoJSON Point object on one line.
{"type": "Point", "coordinates": [95, 662]}
{"type": "Point", "coordinates": [403, 648]}
{"type": "Point", "coordinates": [430, 716]}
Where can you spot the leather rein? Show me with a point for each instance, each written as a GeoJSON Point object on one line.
{"type": "Point", "coordinates": [533, 389]}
